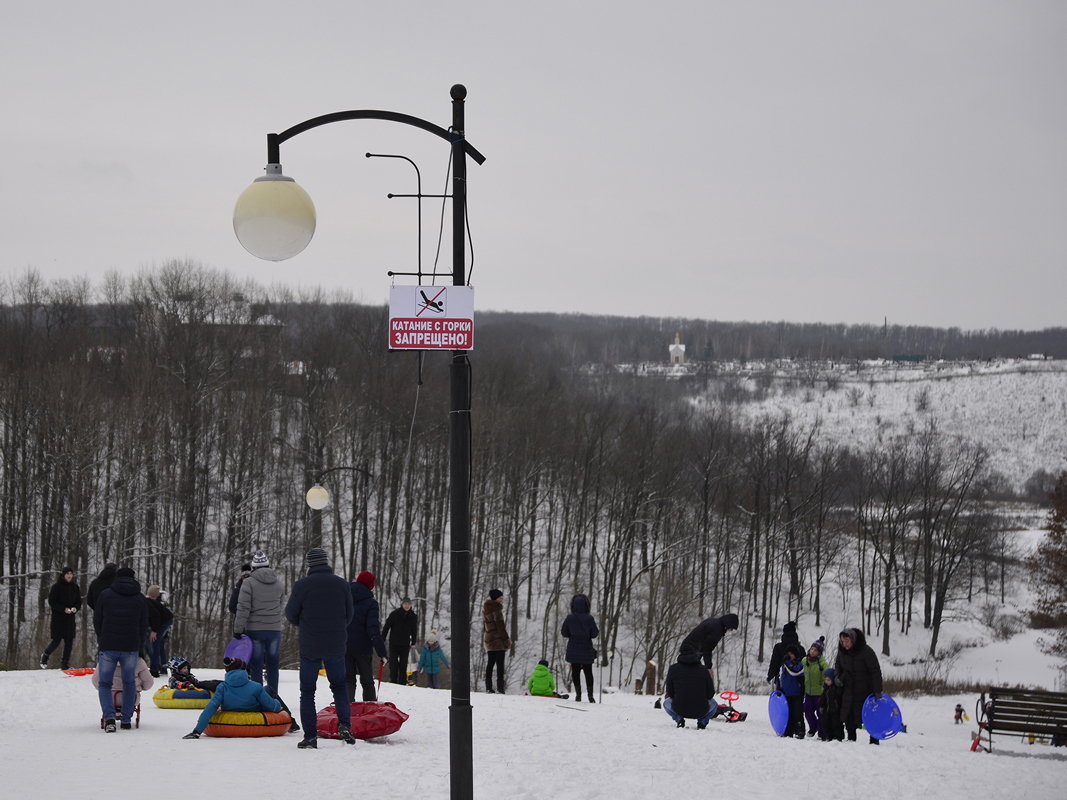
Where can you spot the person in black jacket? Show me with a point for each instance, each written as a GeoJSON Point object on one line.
{"type": "Point", "coordinates": [235, 593]}
{"type": "Point", "coordinates": [579, 628]}
{"type": "Point", "coordinates": [689, 691]}
{"type": "Point", "coordinates": [160, 620]}
{"type": "Point", "coordinates": [99, 583]}
{"type": "Point", "coordinates": [121, 622]}
{"type": "Point", "coordinates": [364, 638]}
{"type": "Point", "coordinates": [321, 607]}
{"type": "Point", "coordinates": [64, 601]}
{"type": "Point", "coordinates": [859, 675]}
{"type": "Point", "coordinates": [830, 728]}
{"type": "Point", "coordinates": [402, 631]}
{"type": "Point", "coordinates": [705, 636]}
{"type": "Point", "coordinates": [789, 637]}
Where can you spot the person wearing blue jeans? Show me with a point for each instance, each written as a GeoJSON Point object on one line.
{"type": "Point", "coordinates": [120, 618]}
{"type": "Point", "coordinates": [266, 650]}
{"type": "Point", "coordinates": [321, 607]}
{"type": "Point", "coordinates": [689, 690]}
{"type": "Point", "coordinates": [106, 669]}
{"type": "Point", "coordinates": [702, 722]}
{"type": "Point", "coordinates": [259, 616]}
{"type": "Point", "coordinates": [160, 621]}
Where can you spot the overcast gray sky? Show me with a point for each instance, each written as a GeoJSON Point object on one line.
{"type": "Point", "coordinates": [808, 161]}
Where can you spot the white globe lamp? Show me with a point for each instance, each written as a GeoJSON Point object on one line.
{"type": "Point", "coordinates": [317, 497]}
{"type": "Point", "coordinates": [274, 218]}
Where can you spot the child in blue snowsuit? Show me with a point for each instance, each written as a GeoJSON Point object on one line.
{"type": "Point", "coordinates": [791, 682]}
{"type": "Point", "coordinates": [431, 658]}
{"type": "Point", "coordinates": [236, 693]}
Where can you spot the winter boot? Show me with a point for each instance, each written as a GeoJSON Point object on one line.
{"type": "Point", "coordinates": [294, 727]}
{"type": "Point", "coordinates": [109, 726]}
{"type": "Point", "coordinates": [308, 743]}
{"type": "Point", "coordinates": [44, 662]}
{"type": "Point", "coordinates": [577, 694]}
{"type": "Point", "coordinates": [701, 726]}
{"type": "Point", "coordinates": [681, 723]}
{"type": "Point", "coordinates": [345, 733]}
{"type": "Point", "coordinates": [500, 686]}
{"type": "Point", "coordinates": [126, 726]}
{"type": "Point", "coordinates": [591, 700]}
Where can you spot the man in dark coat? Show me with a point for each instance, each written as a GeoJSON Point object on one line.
{"type": "Point", "coordinates": [364, 638]}
{"type": "Point", "coordinates": [64, 601]}
{"type": "Point", "coordinates": [579, 629]}
{"type": "Point", "coordinates": [402, 632]}
{"type": "Point", "coordinates": [160, 621]}
{"type": "Point", "coordinates": [859, 675]}
{"type": "Point", "coordinates": [789, 637]}
{"type": "Point", "coordinates": [235, 592]}
{"type": "Point", "coordinates": [321, 607]}
{"type": "Point", "coordinates": [689, 690]}
{"type": "Point", "coordinates": [121, 622]}
{"type": "Point", "coordinates": [707, 634]}
{"type": "Point", "coordinates": [99, 583]}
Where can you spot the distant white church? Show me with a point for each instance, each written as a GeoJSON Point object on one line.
{"type": "Point", "coordinates": [677, 350]}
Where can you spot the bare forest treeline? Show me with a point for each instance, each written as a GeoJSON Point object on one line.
{"type": "Point", "coordinates": [173, 421]}
{"type": "Point", "coordinates": [611, 340]}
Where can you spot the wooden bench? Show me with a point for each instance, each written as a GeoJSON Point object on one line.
{"type": "Point", "coordinates": [1025, 713]}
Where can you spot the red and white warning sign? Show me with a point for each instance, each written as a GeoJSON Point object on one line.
{"type": "Point", "coordinates": [431, 318]}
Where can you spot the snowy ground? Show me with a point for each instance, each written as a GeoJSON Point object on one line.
{"type": "Point", "coordinates": [524, 748]}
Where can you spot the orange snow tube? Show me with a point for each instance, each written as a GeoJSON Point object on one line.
{"type": "Point", "coordinates": [249, 723]}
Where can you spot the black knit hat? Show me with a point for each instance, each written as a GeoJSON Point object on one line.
{"type": "Point", "coordinates": [789, 627]}
{"type": "Point", "coordinates": [543, 662]}
{"type": "Point", "coordinates": [124, 572]}
{"type": "Point", "coordinates": [495, 593]}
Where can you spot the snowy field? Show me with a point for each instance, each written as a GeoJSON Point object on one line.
{"type": "Point", "coordinates": [523, 748]}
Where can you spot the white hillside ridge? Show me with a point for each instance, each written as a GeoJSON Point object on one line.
{"type": "Point", "coordinates": [1016, 409]}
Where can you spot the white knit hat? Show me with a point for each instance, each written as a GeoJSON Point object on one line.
{"type": "Point", "coordinates": [260, 560]}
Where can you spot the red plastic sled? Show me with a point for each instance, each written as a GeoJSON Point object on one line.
{"type": "Point", "coordinates": [80, 671]}
{"type": "Point", "coordinates": [369, 720]}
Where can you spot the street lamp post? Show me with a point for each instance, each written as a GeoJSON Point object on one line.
{"type": "Point", "coordinates": [274, 219]}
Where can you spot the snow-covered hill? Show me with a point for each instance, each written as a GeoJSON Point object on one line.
{"type": "Point", "coordinates": [1016, 409]}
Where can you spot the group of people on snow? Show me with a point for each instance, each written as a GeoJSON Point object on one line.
{"type": "Point", "coordinates": [823, 701]}
{"type": "Point", "coordinates": [339, 632]}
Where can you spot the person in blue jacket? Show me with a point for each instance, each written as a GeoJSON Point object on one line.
{"type": "Point", "coordinates": [364, 638]}
{"type": "Point", "coordinates": [579, 629]}
{"type": "Point", "coordinates": [431, 658]}
{"type": "Point", "coordinates": [321, 607]}
{"type": "Point", "coordinates": [236, 693]}
{"type": "Point", "coordinates": [791, 682]}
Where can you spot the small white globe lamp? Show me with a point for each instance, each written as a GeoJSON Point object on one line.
{"type": "Point", "coordinates": [317, 497]}
{"type": "Point", "coordinates": [274, 218]}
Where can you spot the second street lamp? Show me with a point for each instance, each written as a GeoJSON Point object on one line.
{"type": "Point", "coordinates": [274, 219]}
